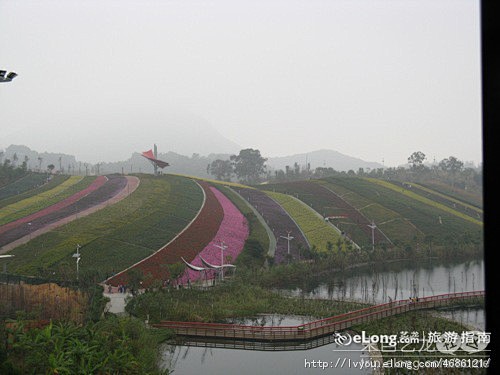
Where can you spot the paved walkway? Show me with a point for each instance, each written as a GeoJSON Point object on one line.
{"type": "Point", "coordinates": [116, 305]}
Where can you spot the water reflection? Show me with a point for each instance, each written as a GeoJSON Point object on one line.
{"type": "Point", "coordinates": [473, 317]}
{"type": "Point", "coordinates": [189, 356]}
{"type": "Point", "coordinates": [379, 284]}
{"type": "Point", "coordinates": [216, 361]}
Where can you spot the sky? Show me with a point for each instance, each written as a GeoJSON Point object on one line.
{"type": "Point", "coordinates": [373, 79]}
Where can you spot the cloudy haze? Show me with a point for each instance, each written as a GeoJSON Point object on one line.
{"type": "Point", "coordinates": [374, 79]}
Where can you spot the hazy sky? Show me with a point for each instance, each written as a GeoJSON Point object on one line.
{"type": "Point", "coordinates": [374, 79]}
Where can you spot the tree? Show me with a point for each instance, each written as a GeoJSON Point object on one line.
{"type": "Point", "coordinates": [416, 160]}
{"type": "Point", "coordinates": [248, 165]}
{"type": "Point", "coordinates": [452, 166]}
{"type": "Point", "coordinates": [221, 169]}
{"type": "Point", "coordinates": [51, 167]}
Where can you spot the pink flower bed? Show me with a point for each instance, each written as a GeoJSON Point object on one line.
{"type": "Point", "coordinates": [233, 231]}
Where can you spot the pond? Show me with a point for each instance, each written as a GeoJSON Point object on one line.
{"type": "Point", "coordinates": [400, 280]}
{"type": "Point", "coordinates": [375, 284]}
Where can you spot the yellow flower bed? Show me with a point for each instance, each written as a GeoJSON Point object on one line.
{"type": "Point", "coordinates": [317, 231]}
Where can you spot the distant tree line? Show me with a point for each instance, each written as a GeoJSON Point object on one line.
{"type": "Point", "coordinates": [249, 167]}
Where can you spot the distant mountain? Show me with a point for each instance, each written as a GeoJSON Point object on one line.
{"type": "Point", "coordinates": [195, 165]}
{"type": "Point", "coordinates": [46, 158]}
{"type": "Point", "coordinates": [322, 158]}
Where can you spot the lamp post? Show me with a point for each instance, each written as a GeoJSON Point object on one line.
{"type": "Point", "coordinates": [4, 77]}
{"type": "Point", "coordinates": [29, 228]}
{"type": "Point", "coordinates": [78, 257]}
{"type": "Point", "coordinates": [288, 238]}
{"type": "Point", "coordinates": [373, 226]}
{"type": "Point", "coordinates": [222, 247]}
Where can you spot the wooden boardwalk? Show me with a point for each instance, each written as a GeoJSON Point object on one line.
{"type": "Point", "coordinates": [318, 328]}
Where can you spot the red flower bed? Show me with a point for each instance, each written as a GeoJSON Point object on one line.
{"type": "Point", "coordinates": [187, 245]}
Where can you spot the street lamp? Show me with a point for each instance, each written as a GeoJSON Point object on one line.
{"type": "Point", "coordinates": [4, 77]}
{"type": "Point", "coordinates": [78, 257]}
{"type": "Point", "coordinates": [288, 238]}
{"type": "Point", "coordinates": [222, 247]}
{"type": "Point", "coordinates": [373, 226]}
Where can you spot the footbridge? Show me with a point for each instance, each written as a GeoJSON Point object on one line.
{"type": "Point", "coordinates": [318, 328]}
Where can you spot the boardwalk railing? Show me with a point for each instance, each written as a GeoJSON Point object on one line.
{"type": "Point", "coordinates": [316, 328]}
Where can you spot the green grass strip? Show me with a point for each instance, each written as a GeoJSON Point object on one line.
{"type": "Point", "coordinates": [422, 199]}
{"type": "Point", "coordinates": [434, 192]}
{"type": "Point", "coordinates": [316, 230]}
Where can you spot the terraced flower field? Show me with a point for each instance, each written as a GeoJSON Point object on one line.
{"type": "Point", "coordinates": [233, 232]}
{"type": "Point", "coordinates": [348, 219]}
{"type": "Point", "coordinates": [103, 190]}
{"type": "Point", "coordinates": [429, 218]}
{"type": "Point", "coordinates": [314, 227]}
{"type": "Point", "coordinates": [473, 198]}
{"type": "Point", "coordinates": [151, 216]}
{"type": "Point", "coordinates": [37, 202]}
{"type": "Point", "coordinates": [440, 200]}
{"type": "Point", "coordinates": [397, 228]}
{"type": "Point", "coordinates": [12, 193]}
{"type": "Point", "coordinates": [280, 223]}
{"type": "Point", "coordinates": [29, 182]}
{"type": "Point", "coordinates": [85, 187]}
